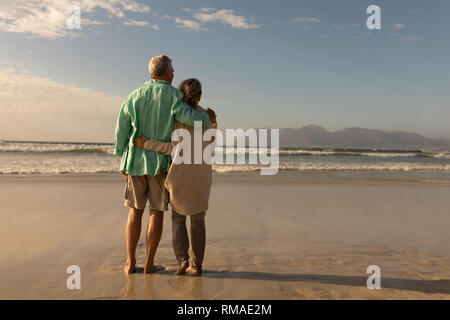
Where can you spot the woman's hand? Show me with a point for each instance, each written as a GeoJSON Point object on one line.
{"type": "Point", "coordinates": [140, 142]}
{"type": "Point", "coordinates": [212, 115]}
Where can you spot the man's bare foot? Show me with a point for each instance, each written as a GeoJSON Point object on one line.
{"type": "Point", "coordinates": [181, 269]}
{"type": "Point", "coordinates": [130, 267]}
{"type": "Point", "coordinates": [153, 269]}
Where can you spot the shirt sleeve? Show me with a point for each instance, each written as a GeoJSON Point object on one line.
{"type": "Point", "coordinates": [159, 146]}
{"type": "Point", "coordinates": [185, 114]}
{"type": "Point", "coordinates": [123, 128]}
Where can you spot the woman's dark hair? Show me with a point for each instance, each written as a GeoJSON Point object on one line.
{"type": "Point", "coordinates": [191, 90]}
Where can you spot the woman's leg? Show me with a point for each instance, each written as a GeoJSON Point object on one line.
{"type": "Point", "coordinates": [180, 241]}
{"type": "Point", "coordinates": [198, 239]}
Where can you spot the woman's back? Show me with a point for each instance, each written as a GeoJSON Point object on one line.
{"type": "Point", "coordinates": [189, 184]}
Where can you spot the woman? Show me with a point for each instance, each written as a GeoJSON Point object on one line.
{"type": "Point", "coordinates": [189, 187]}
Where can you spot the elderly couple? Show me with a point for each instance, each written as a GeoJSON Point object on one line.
{"type": "Point", "coordinates": [144, 128]}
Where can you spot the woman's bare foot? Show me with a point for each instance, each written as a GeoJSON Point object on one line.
{"type": "Point", "coordinates": [181, 269]}
{"type": "Point", "coordinates": [153, 269]}
{"type": "Point", "coordinates": [195, 271]}
{"type": "Point", "coordinates": [130, 267]}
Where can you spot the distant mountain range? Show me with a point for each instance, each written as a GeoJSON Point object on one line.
{"type": "Point", "coordinates": [316, 136]}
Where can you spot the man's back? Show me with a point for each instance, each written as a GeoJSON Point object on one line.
{"type": "Point", "coordinates": [151, 110]}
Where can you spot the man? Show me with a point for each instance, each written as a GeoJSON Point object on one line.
{"type": "Point", "coordinates": [151, 111]}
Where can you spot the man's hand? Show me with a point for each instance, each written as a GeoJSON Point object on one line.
{"type": "Point", "coordinates": [121, 172]}
{"type": "Point", "coordinates": [140, 142]}
{"type": "Point", "coordinates": [212, 115]}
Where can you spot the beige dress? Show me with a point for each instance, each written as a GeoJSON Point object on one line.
{"type": "Point", "coordinates": [189, 185]}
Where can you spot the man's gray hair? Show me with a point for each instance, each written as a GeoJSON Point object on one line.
{"type": "Point", "coordinates": [158, 65]}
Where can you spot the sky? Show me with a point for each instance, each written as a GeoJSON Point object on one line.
{"type": "Point", "coordinates": [275, 64]}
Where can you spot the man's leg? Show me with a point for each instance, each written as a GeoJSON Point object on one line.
{"type": "Point", "coordinates": [133, 231]}
{"type": "Point", "coordinates": [154, 232]}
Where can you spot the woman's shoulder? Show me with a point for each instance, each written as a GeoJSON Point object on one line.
{"type": "Point", "coordinates": [199, 108]}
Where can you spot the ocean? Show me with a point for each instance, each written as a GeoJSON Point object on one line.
{"type": "Point", "coordinates": [55, 158]}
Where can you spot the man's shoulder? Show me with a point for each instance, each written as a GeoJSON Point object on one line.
{"type": "Point", "coordinates": [136, 93]}
{"type": "Point", "coordinates": [170, 89]}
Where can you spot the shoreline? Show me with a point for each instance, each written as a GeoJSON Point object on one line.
{"type": "Point", "coordinates": [335, 178]}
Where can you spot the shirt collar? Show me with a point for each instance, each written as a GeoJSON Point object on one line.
{"type": "Point", "coordinates": [158, 81]}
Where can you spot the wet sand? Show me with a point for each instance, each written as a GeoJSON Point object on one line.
{"type": "Point", "coordinates": [267, 238]}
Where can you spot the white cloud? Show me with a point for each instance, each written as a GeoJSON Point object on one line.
{"type": "Point", "coordinates": [225, 16]}
{"type": "Point", "coordinates": [399, 26]}
{"type": "Point", "coordinates": [189, 24]}
{"type": "Point", "coordinates": [308, 20]}
{"type": "Point", "coordinates": [136, 23]}
{"type": "Point", "coordinates": [204, 15]}
{"type": "Point", "coordinates": [37, 108]}
{"type": "Point", "coordinates": [200, 10]}
{"type": "Point", "coordinates": [47, 19]}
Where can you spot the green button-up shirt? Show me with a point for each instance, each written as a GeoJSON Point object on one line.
{"type": "Point", "coordinates": [151, 110]}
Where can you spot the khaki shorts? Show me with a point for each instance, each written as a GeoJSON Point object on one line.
{"type": "Point", "coordinates": [141, 188]}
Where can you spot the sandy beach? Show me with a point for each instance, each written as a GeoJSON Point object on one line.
{"type": "Point", "coordinates": [267, 238]}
